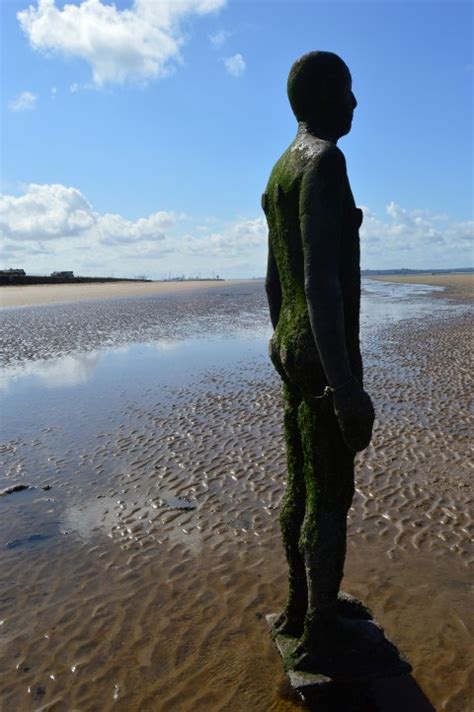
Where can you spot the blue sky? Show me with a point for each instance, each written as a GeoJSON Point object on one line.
{"type": "Point", "coordinates": [138, 137]}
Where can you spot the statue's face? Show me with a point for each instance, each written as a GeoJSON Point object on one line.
{"type": "Point", "coordinates": [341, 107]}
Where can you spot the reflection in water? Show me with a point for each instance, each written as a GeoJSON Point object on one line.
{"type": "Point", "coordinates": [166, 345]}
{"type": "Point", "coordinates": [398, 290]}
{"type": "Point", "coordinates": [130, 518]}
{"type": "Point", "coordinates": [90, 517]}
{"type": "Point", "coordinates": [66, 371]}
{"type": "Point", "coordinates": [382, 303]}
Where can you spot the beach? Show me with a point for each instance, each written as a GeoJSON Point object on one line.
{"type": "Point", "coordinates": [138, 563]}
{"type": "Point", "coordinates": [459, 286]}
{"type": "Point", "coordinates": [16, 296]}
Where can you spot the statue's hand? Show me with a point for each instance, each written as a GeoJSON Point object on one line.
{"type": "Point", "coordinates": [355, 413]}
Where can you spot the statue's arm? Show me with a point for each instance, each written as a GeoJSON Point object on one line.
{"type": "Point", "coordinates": [273, 287]}
{"type": "Point", "coordinates": [321, 204]}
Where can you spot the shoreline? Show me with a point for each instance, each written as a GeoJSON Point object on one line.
{"type": "Point", "coordinates": [40, 294]}
{"type": "Point", "coordinates": [456, 286]}
{"type": "Point", "coordinates": [459, 287]}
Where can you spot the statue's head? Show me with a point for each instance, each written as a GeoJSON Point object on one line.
{"type": "Point", "coordinates": [320, 92]}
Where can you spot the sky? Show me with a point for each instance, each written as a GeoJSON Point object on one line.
{"type": "Point", "coordinates": [137, 137]}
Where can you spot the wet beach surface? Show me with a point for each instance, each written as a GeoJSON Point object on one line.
{"type": "Point", "coordinates": [136, 569]}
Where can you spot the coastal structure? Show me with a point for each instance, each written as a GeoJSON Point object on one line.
{"type": "Point", "coordinates": [12, 272]}
{"type": "Point", "coordinates": [64, 274]}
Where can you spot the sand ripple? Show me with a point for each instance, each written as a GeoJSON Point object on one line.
{"type": "Point", "coordinates": [161, 548]}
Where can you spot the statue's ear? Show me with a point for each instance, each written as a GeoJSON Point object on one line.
{"type": "Point", "coordinates": [264, 202]}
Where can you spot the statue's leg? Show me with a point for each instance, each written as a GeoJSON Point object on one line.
{"type": "Point", "coordinates": [291, 621]}
{"type": "Point", "coordinates": [329, 481]}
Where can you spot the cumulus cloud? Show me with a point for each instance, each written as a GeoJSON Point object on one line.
{"type": "Point", "coordinates": [232, 240]}
{"type": "Point", "coordinates": [51, 212]}
{"type": "Point", "coordinates": [113, 229]}
{"type": "Point", "coordinates": [52, 227]}
{"type": "Point", "coordinates": [235, 65]}
{"type": "Point", "coordinates": [26, 101]}
{"type": "Point", "coordinates": [140, 43]}
{"type": "Point", "coordinates": [45, 212]}
{"type": "Point", "coordinates": [414, 238]}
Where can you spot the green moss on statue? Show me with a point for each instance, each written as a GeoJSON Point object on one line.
{"type": "Point", "coordinates": [313, 287]}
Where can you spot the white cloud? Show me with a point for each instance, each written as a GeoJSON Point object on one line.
{"type": "Point", "coordinates": [45, 212]}
{"type": "Point", "coordinates": [140, 43]}
{"type": "Point", "coordinates": [235, 65]}
{"type": "Point", "coordinates": [414, 238]}
{"type": "Point", "coordinates": [232, 240]}
{"type": "Point", "coordinates": [51, 212]}
{"type": "Point", "coordinates": [114, 229]}
{"type": "Point", "coordinates": [218, 39]}
{"type": "Point", "coordinates": [52, 227]}
{"type": "Point", "coordinates": [26, 101]}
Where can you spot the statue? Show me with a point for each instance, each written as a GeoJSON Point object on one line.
{"type": "Point", "coordinates": [313, 289]}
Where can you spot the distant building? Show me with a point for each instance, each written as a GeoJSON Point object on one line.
{"type": "Point", "coordinates": [65, 274]}
{"type": "Point", "coordinates": [12, 272]}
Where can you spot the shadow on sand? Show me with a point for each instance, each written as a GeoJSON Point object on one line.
{"type": "Point", "coordinates": [394, 694]}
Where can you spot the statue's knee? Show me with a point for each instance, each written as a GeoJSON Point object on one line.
{"type": "Point", "coordinates": [291, 518]}
{"type": "Point", "coordinates": [308, 536]}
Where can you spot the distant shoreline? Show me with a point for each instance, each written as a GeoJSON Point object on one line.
{"type": "Point", "coordinates": [16, 280]}
{"type": "Point", "coordinates": [36, 294]}
{"type": "Point", "coordinates": [459, 285]}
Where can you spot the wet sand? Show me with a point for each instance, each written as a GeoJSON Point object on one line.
{"type": "Point", "coordinates": [458, 286]}
{"type": "Point", "coordinates": [15, 296]}
{"type": "Point", "coordinates": [156, 552]}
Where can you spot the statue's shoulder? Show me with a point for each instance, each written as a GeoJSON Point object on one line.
{"type": "Point", "coordinates": [324, 157]}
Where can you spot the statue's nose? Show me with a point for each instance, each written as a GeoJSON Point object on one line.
{"type": "Point", "coordinates": [354, 101]}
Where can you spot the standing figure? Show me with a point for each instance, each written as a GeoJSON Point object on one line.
{"type": "Point", "coordinates": [313, 288]}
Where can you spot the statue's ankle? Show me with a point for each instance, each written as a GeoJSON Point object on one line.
{"type": "Point", "coordinates": [297, 605]}
{"type": "Point", "coordinates": [319, 627]}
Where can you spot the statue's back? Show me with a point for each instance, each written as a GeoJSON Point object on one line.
{"type": "Point", "coordinates": [293, 349]}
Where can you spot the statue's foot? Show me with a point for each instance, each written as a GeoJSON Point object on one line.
{"type": "Point", "coordinates": [301, 660]}
{"type": "Point", "coordinates": [288, 624]}
{"type": "Point", "coordinates": [324, 647]}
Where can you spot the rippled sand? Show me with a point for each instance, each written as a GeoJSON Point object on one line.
{"type": "Point", "coordinates": [161, 553]}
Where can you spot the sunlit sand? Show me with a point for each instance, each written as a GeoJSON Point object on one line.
{"type": "Point", "coordinates": [53, 293]}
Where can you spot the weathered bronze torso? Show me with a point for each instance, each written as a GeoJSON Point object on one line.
{"type": "Point", "coordinates": [292, 347]}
